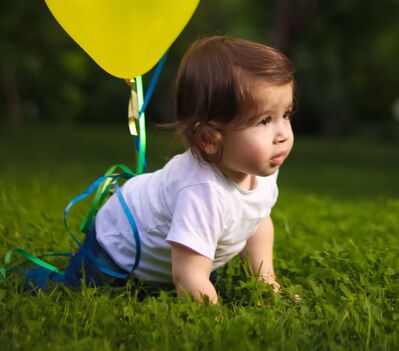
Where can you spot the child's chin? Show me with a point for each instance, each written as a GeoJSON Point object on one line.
{"type": "Point", "coordinates": [268, 172]}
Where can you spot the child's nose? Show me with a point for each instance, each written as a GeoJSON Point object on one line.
{"type": "Point", "coordinates": [282, 133]}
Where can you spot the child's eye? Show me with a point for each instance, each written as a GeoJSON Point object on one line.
{"type": "Point", "coordinates": [265, 120]}
{"type": "Point", "coordinates": [288, 115]}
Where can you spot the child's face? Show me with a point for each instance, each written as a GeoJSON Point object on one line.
{"type": "Point", "coordinates": [261, 148]}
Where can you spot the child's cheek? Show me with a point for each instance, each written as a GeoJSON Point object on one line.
{"type": "Point", "coordinates": [257, 146]}
{"type": "Point", "coordinates": [252, 147]}
{"type": "Point", "coordinates": [254, 152]}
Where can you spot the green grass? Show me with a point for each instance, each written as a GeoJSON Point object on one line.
{"type": "Point", "coordinates": [336, 245]}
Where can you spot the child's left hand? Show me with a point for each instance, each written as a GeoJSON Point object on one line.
{"type": "Point", "coordinates": [270, 278]}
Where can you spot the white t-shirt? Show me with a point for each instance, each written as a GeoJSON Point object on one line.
{"type": "Point", "coordinates": [187, 202]}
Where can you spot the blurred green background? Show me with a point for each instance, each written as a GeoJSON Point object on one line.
{"type": "Point", "coordinates": [345, 51]}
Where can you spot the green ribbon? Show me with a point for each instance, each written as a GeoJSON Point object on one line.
{"type": "Point", "coordinates": [29, 257]}
{"type": "Point", "coordinates": [102, 193]}
{"type": "Point", "coordinates": [142, 135]}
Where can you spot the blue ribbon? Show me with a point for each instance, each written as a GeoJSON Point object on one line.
{"type": "Point", "coordinates": [148, 95]}
{"type": "Point", "coordinates": [81, 197]}
{"type": "Point", "coordinates": [128, 214]}
{"type": "Point", "coordinates": [132, 225]}
{"type": "Point", "coordinates": [153, 83]}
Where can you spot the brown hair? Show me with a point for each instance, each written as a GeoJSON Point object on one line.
{"type": "Point", "coordinates": [214, 88]}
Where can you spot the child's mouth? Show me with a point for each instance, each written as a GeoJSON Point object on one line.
{"type": "Point", "coordinates": [278, 159]}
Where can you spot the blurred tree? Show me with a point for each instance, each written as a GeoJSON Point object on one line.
{"type": "Point", "coordinates": [44, 73]}
{"type": "Point", "coordinates": [345, 57]}
{"type": "Point", "coordinates": [345, 53]}
{"type": "Point", "coordinates": [290, 17]}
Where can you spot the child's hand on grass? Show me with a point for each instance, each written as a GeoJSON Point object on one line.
{"type": "Point", "coordinates": [270, 278]}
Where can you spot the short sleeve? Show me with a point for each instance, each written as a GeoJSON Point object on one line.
{"type": "Point", "coordinates": [197, 220]}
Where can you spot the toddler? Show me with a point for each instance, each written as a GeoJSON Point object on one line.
{"type": "Point", "coordinates": [234, 101]}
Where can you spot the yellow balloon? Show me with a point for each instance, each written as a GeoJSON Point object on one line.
{"type": "Point", "coordinates": [125, 37]}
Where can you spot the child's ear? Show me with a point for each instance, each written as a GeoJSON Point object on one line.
{"type": "Point", "coordinates": [209, 139]}
{"type": "Point", "coordinates": [210, 149]}
{"type": "Point", "coordinates": [208, 142]}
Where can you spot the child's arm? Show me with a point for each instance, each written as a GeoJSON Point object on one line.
{"type": "Point", "coordinates": [191, 272]}
{"type": "Point", "coordinates": [259, 251]}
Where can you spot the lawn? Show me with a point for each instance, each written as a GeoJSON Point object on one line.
{"type": "Point", "coordinates": [336, 245]}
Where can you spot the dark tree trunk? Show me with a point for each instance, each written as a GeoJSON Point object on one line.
{"type": "Point", "coordinates": [11, 94]}
{"type": "Point", "coordinates": [289, 18]}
